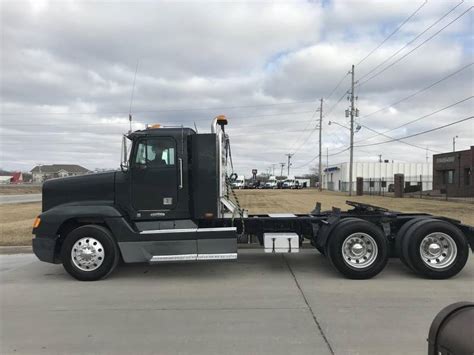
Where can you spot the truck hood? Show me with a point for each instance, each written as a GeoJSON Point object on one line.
{"type": "Point", "coordinates": [77, 189]}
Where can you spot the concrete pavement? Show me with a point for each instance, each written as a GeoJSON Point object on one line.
{"type": "Point", "coordinates": [6, 199]}
{"type": "Point", "coordinates": [292, 304]}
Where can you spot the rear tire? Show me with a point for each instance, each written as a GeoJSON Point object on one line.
{"type": "Point", "coordinates": [436, 249]}
{"type": "Point", "coordinates": [401, 235]}
{"type": "Point", "coordinates": [89, 253]}
{"type": "Point", "coordinates": [358, 249]}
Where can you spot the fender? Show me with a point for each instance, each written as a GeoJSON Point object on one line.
{"type": "Point", "coordinates": [45, 243]}
{"type": "Point", "coordinates": [52, 219]}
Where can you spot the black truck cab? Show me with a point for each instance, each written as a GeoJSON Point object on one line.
{"type": "Point", "coordinates": [155, 184]}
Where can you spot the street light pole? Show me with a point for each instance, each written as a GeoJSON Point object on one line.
{"type": "Point", "coordinates": [454, 143]}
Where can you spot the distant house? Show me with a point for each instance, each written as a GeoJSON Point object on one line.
{"type": "Point", "coordinates": [5, 179]}
{"type": "Point", "coordinates": [11, 178]}
{"type": "Point", "coordinates": [44, 172]}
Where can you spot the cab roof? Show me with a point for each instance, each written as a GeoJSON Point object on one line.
{"type": "Point", "coordinates": [161, 132]}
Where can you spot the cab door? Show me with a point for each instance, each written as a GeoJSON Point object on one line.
{"type": "Point", "coordinates": [154, 175]}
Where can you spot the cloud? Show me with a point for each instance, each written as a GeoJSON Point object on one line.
{"type": "Point", "coordinates": [67, 70]}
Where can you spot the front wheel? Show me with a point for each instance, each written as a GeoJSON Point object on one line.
{"type": "Point", "coordinates": [90, 253]}
{"type": "Point", "coordinates": [358, 249]}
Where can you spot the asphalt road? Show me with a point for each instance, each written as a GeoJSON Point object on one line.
{"type": "Point", "coordinates": [6, 199]}
{"type": "Point", "coordinates": [292, 304]}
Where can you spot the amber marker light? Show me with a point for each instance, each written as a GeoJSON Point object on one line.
{"type": "Point", "coordinates": [37, 222]}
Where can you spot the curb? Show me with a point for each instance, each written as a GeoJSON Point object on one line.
{"type": "Point", "coordinates": [5, 250]}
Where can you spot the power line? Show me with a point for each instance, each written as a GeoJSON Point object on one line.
{"type": "Point", "coordinates": [305, 130]}
{"type": "Point", "coordinates": [157, 111]}
{"type": "Point", "coordinates": [318, 126]}
{"type": "Point", "coordinates": [411, 41]}
{"type": "Point", "coordinates": [337, 86]}
{"type": "Point", "coordinates": [419, 133]}
{"type": "Point", "coordinates": [395, 31]}
{"type": "Point", "coordinates": [330, 110]}
{"type": "Point", "coordinates": [414, 49]}
{"type": "Point", "coordinates": [419, 91]}
{"type": "Point", "coordinates": [389, 141]}
{"type": "Point", "coordinates": [399, 140]}
{"type": "Point", "coordinates": [304, 142]}
{"type": "Point", "coordinates": [337, 103]}
{"type": "Point", "coordinates": [307, 163]}
{"type": "Point", "coordinates": [317, 156]}
{"type": "Point", "coordinates": [108, 126]}
{"type": "Point", "coordinates": [195, 119]}
{"type": "Point", "coordinates": [325, 115]}
{"type": "Point", "coordinates": [420, 118]}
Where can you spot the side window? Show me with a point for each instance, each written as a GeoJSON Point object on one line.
{"type": "Point", "coordinates": [156, 152]}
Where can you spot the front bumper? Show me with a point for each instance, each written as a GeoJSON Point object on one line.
{"type": "Point", "coordinates": [45, 249]}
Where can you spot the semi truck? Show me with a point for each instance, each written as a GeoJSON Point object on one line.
{"type": "Point", "coordinates": [272, 183]}
{"type": "Point", "coordinates": [239, 182]}
{"type": "Point", "coordinates": [290, 183]}
{"type": "Point", "coordinates": [172, 201]}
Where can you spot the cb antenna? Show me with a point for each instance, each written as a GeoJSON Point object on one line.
{"type": "Point", "coordinates": [131, 98]}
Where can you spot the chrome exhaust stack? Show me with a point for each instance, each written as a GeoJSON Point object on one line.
{"type": "Point", "coordinates": [225, 207]}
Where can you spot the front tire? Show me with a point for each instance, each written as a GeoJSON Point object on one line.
{"type": "Point", "coordinates": [89, 253]}
{"type": "Point", "coordinates": [358, 249]}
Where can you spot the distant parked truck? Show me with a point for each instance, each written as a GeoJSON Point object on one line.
{"type": "Point", "coordinates": [239, 183]}
{"type": "Point", "coordinates": [272, 183]}
{"type": "Point", "coordinates": [303, 182]}
{"type": "Point", "coordinates": [290, 183]}
{"type": "Point", "coordinates": [295, 183]}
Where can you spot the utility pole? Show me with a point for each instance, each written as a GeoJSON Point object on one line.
{"type": "Point", "coordinates": [327, 157]}
{"type": "Point", "coordinates": [327, 166]}
{"type": "Point", "coordinates": [454, 143]}
{"type": "Point", "coordinates": [282, 165]}
{"type": "Point", "coordinates": [273, 169]}
{"type": "Point", "coordinates": [351, 161]}
{"type": "Point", "coordinates": [320, 144]}
{"type": "Point", "coordinates": [380, 158]}
{"type": "Point", "coordinates": [289, 162]}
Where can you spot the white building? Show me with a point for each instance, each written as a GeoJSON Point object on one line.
{"type": "Point", "coordinates": [44, 172]}
{"type": "Point", "coordinates": [336, 177]}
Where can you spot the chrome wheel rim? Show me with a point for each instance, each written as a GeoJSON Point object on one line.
{"type": "Point", "coordinates": [359, 250]}
{"type": "Point", "coordinates": [87, 254]}
{"type": "Point", "coordinates": [438, 250]}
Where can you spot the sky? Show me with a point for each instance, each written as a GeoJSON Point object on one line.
{"type": "Point", "coordinates": [68, 67]}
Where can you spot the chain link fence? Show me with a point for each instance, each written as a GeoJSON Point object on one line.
{"type": "Point", "coordinates": [414, 187]}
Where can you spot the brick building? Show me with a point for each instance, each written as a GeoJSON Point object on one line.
{"type": "Point", "coordinates": [452, 173]}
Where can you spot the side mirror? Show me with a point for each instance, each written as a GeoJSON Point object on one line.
{"type": "Point", "coordinates": [124, 159]}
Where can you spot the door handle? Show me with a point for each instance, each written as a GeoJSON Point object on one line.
{"type": "Point", "coordinates": [180, 173]}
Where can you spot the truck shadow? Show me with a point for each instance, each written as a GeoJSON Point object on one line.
{"type": "Point", "coordinates": [257, 264]}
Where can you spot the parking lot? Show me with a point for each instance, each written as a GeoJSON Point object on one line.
{"type": "Point", "coordinates": [262, 303]}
